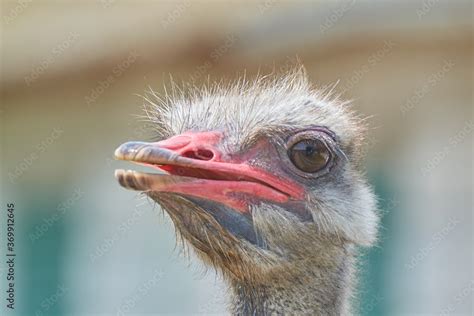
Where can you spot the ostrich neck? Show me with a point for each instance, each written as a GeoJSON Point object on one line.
{"type": "Point", "coordinates": [311, 288]}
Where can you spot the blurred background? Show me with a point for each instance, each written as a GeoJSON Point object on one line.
{"type": "Point", "coordinates": [72, 73]}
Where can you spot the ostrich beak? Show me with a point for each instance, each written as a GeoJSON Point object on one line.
{"type": "Point", "coordinates": [195, 167]}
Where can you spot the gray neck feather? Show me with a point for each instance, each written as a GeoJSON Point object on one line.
{"type": "Point", "coordinates": [315, 287]}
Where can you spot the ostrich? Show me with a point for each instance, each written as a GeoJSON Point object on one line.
{"type": "Point", "coordinates": [263, 179]}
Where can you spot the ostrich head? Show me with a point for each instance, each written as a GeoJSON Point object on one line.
{"type": "Point", "coordinates": [261, 178]}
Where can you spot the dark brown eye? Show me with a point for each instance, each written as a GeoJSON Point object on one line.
{"type": "Point", "coordinates": [310, 155]}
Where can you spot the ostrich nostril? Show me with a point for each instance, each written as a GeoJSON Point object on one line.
{"type": "Point", "coordinates": [200, 154]}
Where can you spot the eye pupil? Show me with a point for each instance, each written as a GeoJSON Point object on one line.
{"type": "Point", "coordinates": [310, 155]}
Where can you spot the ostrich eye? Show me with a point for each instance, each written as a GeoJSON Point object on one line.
{"type": "Point", "coordinates": [309, 155]}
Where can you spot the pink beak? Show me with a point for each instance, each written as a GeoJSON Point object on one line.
{"type": "Point", "coordinates": [195, 167]}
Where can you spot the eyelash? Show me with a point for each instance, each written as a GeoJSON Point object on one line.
{"type": "Point", "coordinates": [327, 137]}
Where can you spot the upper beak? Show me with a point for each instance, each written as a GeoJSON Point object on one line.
{"type": "Point", "coordinates": [196, 167]}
